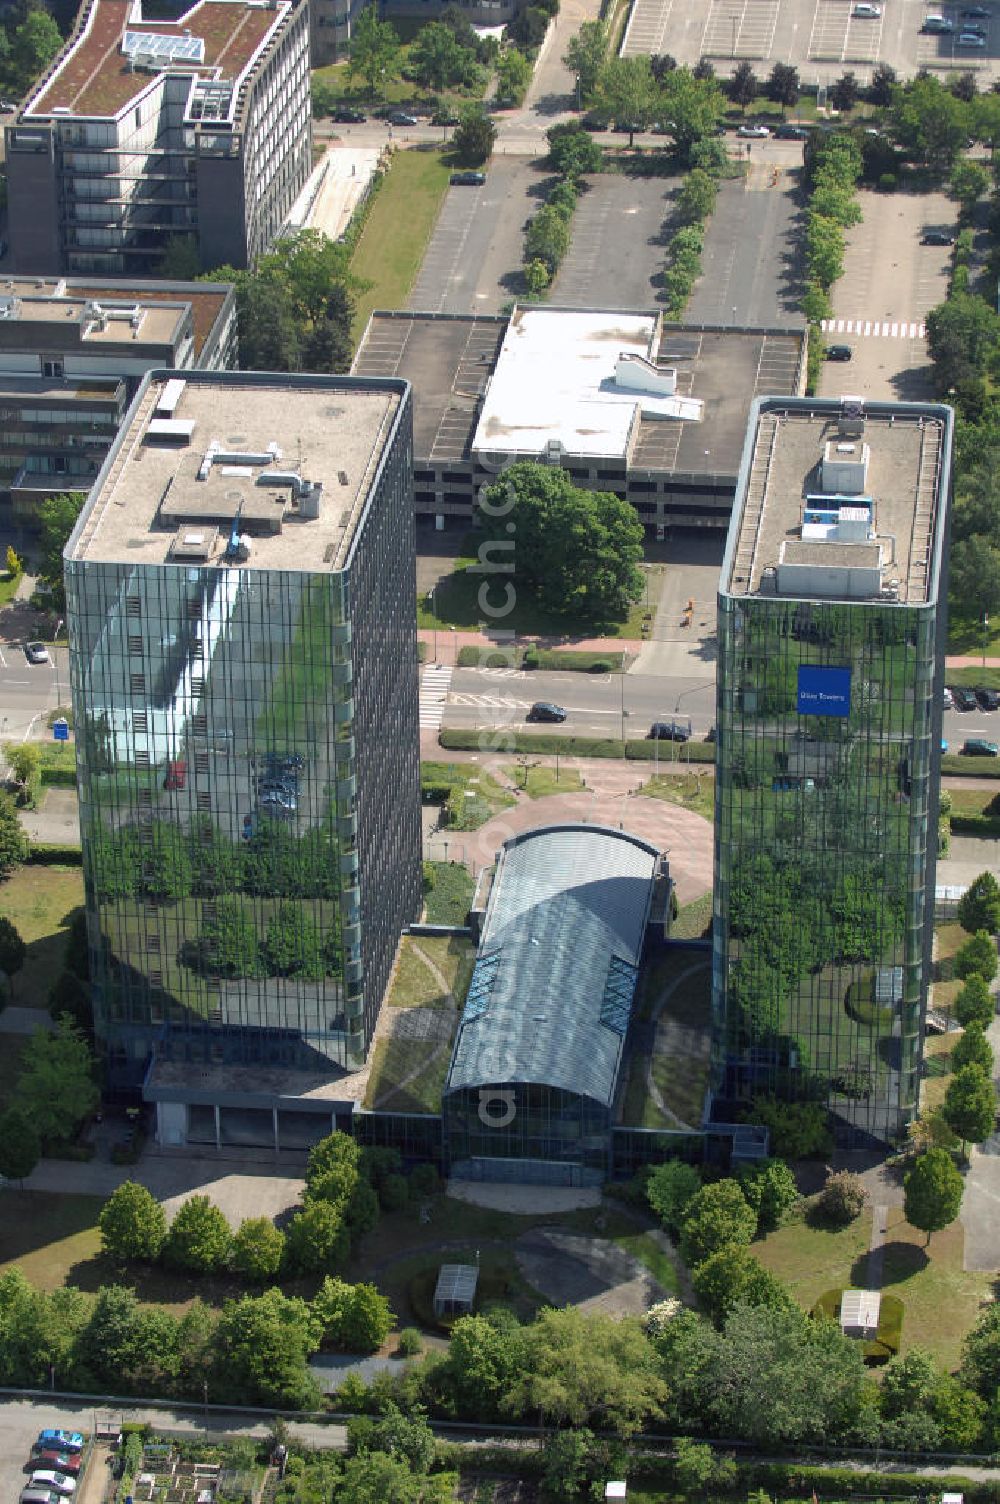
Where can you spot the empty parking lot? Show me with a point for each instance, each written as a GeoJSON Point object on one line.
{"type": "Point", "coordinates": [820, 37]}
{"type": "Point", "coordinates": [750, 263]}
{"type": "Point", "coordinates": [616, 249]}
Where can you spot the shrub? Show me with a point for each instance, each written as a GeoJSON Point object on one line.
{"type": "Point", "coordinates": [424, 1180]}
{"type": "Point", "coordinates": [670, 1190]}
{"type": "Point", "coordinates": [974, 1004]}
{"type": "Point", "coordinates": [410, 1341]}
{"type": "Point", "coordinates": [977, 956]}
{"type": "Point", "coordinates": [770, 1188]}
{"type": "Point", "coordinates": [843, 1197]}
{"type": "Point", "coordinates": [719, 1215]}
{"type": "Point", "coordinates": [199, 1239]}
{"type": "Point", "coordinates": [258, 1249]}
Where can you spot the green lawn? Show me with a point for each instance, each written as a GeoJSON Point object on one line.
{"type": "Point", "coordinates": [475, 796]}
{"type": "Point", "coordinates": [8, 584]}
{"type": "Point", "coordinates": [395, 237]}
{"type": "Point", "coordinates": [41, 902]}
{"type": "Point", "coordinates": [394, 1060]}
{"type": "Point", "coordinates": [644, 1247]}
{"type": "Point", "coordinates": [695, 791]}
{"type": "Point", "coordinates": [941, 1301]}
{"type": "Point", "coordinates": [448, 891]}
{"type": "Point", "coordinates": [540, 781]}
{"type": "Point", "coordinates": [694, 920]}
{"type": "Point", "coordinates": [414, 983]}
{"type": "Point", "coordinates": [455, 603]}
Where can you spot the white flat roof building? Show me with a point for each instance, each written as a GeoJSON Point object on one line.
{"type": "Point", "coordinates": [577, 383]}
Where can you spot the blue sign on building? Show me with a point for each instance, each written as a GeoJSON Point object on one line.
{"type": "Point", "coordinates": [823, 691]}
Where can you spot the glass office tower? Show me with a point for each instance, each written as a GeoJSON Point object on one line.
{"type": "Point", "coordinates": [241, 607]}
{"type": "Point", "coordinates": [831, 633]}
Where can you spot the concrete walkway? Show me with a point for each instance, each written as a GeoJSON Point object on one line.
{"type": "Point", "coordinates": [445, 644]}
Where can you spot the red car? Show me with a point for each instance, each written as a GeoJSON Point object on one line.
{"type": "Point", "coordinates": [176, 775]}
{"type": "Point", "coordinates": [62, 1462]}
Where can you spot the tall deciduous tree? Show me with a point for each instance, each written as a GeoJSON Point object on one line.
{"type": "Point", "coordinates": [742, 85]}
{"type": "Point", "coordinates": [262, 1343]}
{"type": "Point", "coordinates": [979, 905]}
{"type": "Point", "coordinates": [718, 1217]}
{"type": "Point", "coordinates": [12, 950]}
{"type": "Point", "coordinates": [36, 42]}
{"type": "Point", "coordinates": [474, 135]}
{"type": "Point", "coordinates": [670, 1190]}
{"type": "Point", "coordinates": [783, 84]}
{"type": "Point", "coordinates": [970, 1105]}
{"type": "Point", "coordinates": [977, 957]}
{"type": "Point", "coordinates": [692, 108]}
{"type": "Point", "coordinates": [585, 54]}
{"type": "Point", "coordinates": [374, 51]}
{"type": "Point", "coordinates": [627, 90]}
{"type": "Point", "coordinates": [56, 520]}
{"type": "Point", "coordinates": [20, 1146]}
{"type": "Point", "coordinates": [199, 1239]}
{"type": "Point", "coordinates": [973, 1048]}
{"type": "Point", "coordinates": [133, 1225]}
{"type": "Point", "coordinates": [258, 1248]}
{"type": "Point", "coordinates": [56, 1087]}
{"type": "Point", "coordinates": [974, 1003]}
{"type": "Point", "coordinates": [932, 1192]}
{"type": "Point", "coordinates": [576, 551]}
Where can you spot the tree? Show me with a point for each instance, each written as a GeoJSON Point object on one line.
{"type": "Point", "coordinates": [962, 333]}
{"type": "Point", "coordinates": [337, 1154]}
{"type": "Point", "coordinates": [474, 136]}
{"type": "Point", "coordinates": [627, 90]}
{"type": "Point", "coordinates": [974, 575]}
{"type": "Point", "coordinates": [973, 1048]}
{"type": "Point", "coordinates": [883, 81]}
{"type": "Point", "coordinates": [258, 1248]}
{"type": "Point", "coordinates": [584, 56]}
{"type": "Point", "coordinates": [35, 43]}
{"type": "Point", "coordinates": [929, 122]}
{"type": "Point", "coordinates": [56, 1089]}
{"type": "Point", "coordinates": [180, 261]}
{"type": "Point", "coordinates": [703, 69]}
{"type": "Point", "coordinates": [130, 1347]}
{"type": "Point", "coordinates": [379, 1478]}
{"type": "Point", "coordinates": [783, 84]}
{"type": "Point", "coordinates": [774, 1377]}
{"type": "Point", "coordinates": [564, 1465]}
{"type": "Point", "coordinates": [547, 238]}
{"type": "Point", "coordinates": [573, 150]}
{"type": "Point", "coordinates": [56, 520]}
{"type": "Point", "coordinates": [843, 1197]}
{"type": "Point", "coordinates": [718, 1216]}
{"type": "Point", "coordinates": [327, 347]}
{"type": "Point", "coordinates": [12, 950]}
{"type": "Point", "coordinates": [262, 1342]}
{"type": "Point", "coordinates": [979, 905]}
{"type": "Point", "coordinates": [199, 1239]}
{"type": "Point", "coordinates": [24, 760]}
{"type": "Point", "coordinates": [577, 551]}
{"type": "Point", "coordinates": [14, 562]}
{"type": "Point", "coordinates": [970, 1105]}
{"type": "Point", "coordinates": [486, 1355]}
{"type": "Point", "coordinates": [513, 72]}
{"type": "Point", "coordinates": [697, 196]}
{"type": "Point", "coordinates": [436, 59]}
{"type": "Point", "coordinates": [133, 1225]}
{"type": "Point", "coordinates": [845, 93]}
{"type": "Point", "coordinates": [981, 1353]}
{"type": "Point", "coordinates": [20, 1146]}
{"type": "Point", "coordinates": [374, 51]}
{"type": "Point", "coordinates": [770, 1188]}
{"type": "Point", "coordinates": [317, 1237]}
{"type": "Point", "coordinates": [366, 1320]}
{"type": "Point", "coordinates": [974, 1004]}
{"type": "Point", "coordinates": [581, 1369]}
{"type": "Point", "coordinates": [670, 1190]}
{"type": "Point", "coordinates": [732, 1277]}
{"type": "Point", "coordinates": [13, 841]}
{"type": "Point", "coordinates": [977, 957]}
{"type": "Point", "coordinates": [932, 1192]}
{"type": "Point", "coordinates": [969, 181]}
{"type": "Point", "coordinates": [692, 108]}
{"type": "Point", "coordinates": [742, 86]}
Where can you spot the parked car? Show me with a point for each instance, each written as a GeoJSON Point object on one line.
{"type": "Point", "coordinates": [754, 132]}
{"type": "Point", "coordinates": [976, 28]}
{"type": "Point", "coordinates": [8, 105]}
{"type": "Point", "coordinates": [947, 700]}
{"type": "Point", "coordinates": [444, 117]}
{"type": "Point", "coordinates": [65, 1441]}
{"type": "Point", "coordinates": [975, 13]}
{"type": "Point", "coordinates": [36, 652]}
{"type": "Point", "coordinates": [934, 25]}
{"type": "Point", "coordinates": [964, 698]}
{"type": "Point", "coordinates": [979, 748]}
{"type": "Point", "coordinates": [987, 699]}
{"type": "Point", "coordinates": [971, 39]}
{"type": "Point", "coordinates": [867, 12]}
{"type": "Point", "coordinates": [544, 710]}
{"type": "Point", "coordinates": [402, 117]}
{"type": "Point", "coordinates": [177, 772]}
{"type": "Point", "coordinates": [347, 116]}
{"type": "Point", "coordinates": [838, 352]}
{"type": "Point", "coordinates": [467, 179]}
{"type": "Point", "coordinates": [669, 731]}
{"type": "Point", "coordinates": [59, 1483]}
{"type": "Point", "coordinates": [791, 133]}
{"type": "Point", "coordinates": [936, 237]}
{"type": "Point", "coordinates": [63, 1462]}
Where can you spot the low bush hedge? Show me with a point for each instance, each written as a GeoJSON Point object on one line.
{"type": "Point", "coordinates": [987, 826]}
{"type": "Point", "coordinates": [59, 778]}
{"type": "Point", "coordinates": [692, 751]}
{"type": "Point", "coordinates": [971, 767]}
{"type": "Point", "coordinates": [644, 750]}
{"type": "Point", "coordinates": [45, 854]}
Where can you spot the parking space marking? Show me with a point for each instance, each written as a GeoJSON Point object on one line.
{"type": "Point", "coordinates": [737, 30]}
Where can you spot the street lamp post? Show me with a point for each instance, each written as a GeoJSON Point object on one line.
{"type": "Point", "coordinates": [55, 660]}
{"type": "Point", "coordinates": [986, 634]}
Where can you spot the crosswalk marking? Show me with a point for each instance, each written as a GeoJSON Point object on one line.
{"type": "Point", "coordinates": [434, 684]}
{"type": "Point", "coordinates": [866, 327]}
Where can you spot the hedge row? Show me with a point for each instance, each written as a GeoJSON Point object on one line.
{"type": "Point", "coordinates": [45, 854]}
{"type": "Point", "coordinates": [550, 742]}
{"type": "Point", "coordinates": [971, 767]}
{"type": "Point", "coordinates": [59, 778]}
{"type": "Point", "coordinates": [986, 826]}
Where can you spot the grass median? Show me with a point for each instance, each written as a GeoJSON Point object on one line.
{"type": "Point", "coordinates": [393, 242]}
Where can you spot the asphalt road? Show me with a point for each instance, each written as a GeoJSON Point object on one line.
{"type": "Point", "coordinates": [750, 263]}
{"type": "Point", "coordinates": [476, 249]}
{"type": "Point", "coordinates": [28, 691]}
{"type": "Point", "coordinates": [616, 249]}
{"type": "Point", "coordinates": [502, 697]}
